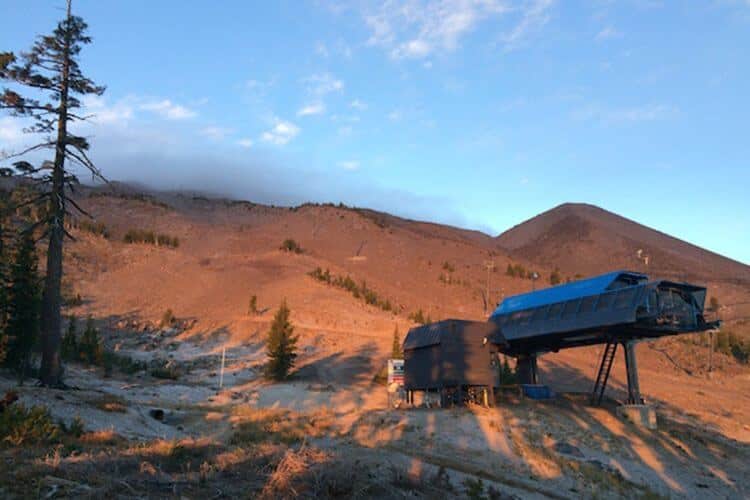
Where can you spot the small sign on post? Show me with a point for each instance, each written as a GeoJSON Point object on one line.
{"type": "Point", "coordinates": [395, 382]}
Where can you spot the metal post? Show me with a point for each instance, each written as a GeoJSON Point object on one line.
{"type": "Point", "coordinates": [634, 390]}
{"type": "Point", "coordinates": [527, 370]}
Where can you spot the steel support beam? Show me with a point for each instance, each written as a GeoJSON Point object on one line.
{"type": "Point", "coordinates": [527, 370]}
{"type": "Point", "coordinates": [631, 366]}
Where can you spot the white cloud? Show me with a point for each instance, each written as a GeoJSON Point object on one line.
{"type": "Point", "coordinates": [395, 115]}
{"type": "Point", "coordinates": [323, 83]}
{"type": "Point", "coordinates": [245, 142]}
{"type": "Point", "coordinates": [321, 49]}
{"type": "Point", "coordinates": [427, 64]}
{"type": "Point", "coordinates": [349, 165]}
{"type": "Point", "coordinates": [358, 105]}
{"type": "Point", "coordinates": [414, 29]}
{"type": "Point", "coordinates": [634, 114]}
{"type": "Point", "coordinates": [215, 133]}
{"type": "Point", "coordinates": [11, 130]}
{"type": "Point", "coordinates": [315, 108]}
{"type": "Point", "coordinates": [169, 110]}
{"type": "Point", "coordinates": [607, 33]}
{"type": "Point", "coordinates": [532, 16]}
{"type": "Point", "coordinates": [119, 112]}
{"type": "Point", "coordinates": [643, 113]}
{"type": "Point", "coordinates": [281, 133]}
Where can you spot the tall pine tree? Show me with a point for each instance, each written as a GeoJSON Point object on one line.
{"type": "Point", "coordinates": [23, 305]}
{"type": "Point", "coordinates": [281, 345]}
{"type": "Point", "coordinates": [3, 297]}
{"type": "Point", "coordinates": [51, 69]}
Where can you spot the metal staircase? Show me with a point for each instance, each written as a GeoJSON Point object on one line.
{"type": "Point", "coordinates": [608, 357]}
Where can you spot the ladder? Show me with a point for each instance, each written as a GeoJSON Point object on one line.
{"type": "Point", "coordinates": [608, 357]}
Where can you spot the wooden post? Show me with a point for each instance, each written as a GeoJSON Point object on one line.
{"type": "Point", "coordinates": [221, 373]}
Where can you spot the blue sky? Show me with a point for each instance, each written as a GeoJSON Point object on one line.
{"type": "Point", "coordinates": [473, 113]}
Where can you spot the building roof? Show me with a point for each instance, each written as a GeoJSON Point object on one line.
{"type": "Point", "coordinates": [568, 291]}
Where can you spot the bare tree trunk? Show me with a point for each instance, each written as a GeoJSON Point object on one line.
{"type": "Point", "coordinates": [50, 373]}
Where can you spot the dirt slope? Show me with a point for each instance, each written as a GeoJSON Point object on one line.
{"type": "Point", "coordinates": [230, 250]}
{"type": "Point", "coordinates": [585, 239]}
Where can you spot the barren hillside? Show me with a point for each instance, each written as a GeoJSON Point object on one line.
{"type": "Point", "coordinates": [584, 239]}
{"type": "Point", "coordinates": [207, 257]}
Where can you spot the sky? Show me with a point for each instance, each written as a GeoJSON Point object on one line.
{"type": "Point", "coordinates": [475, 113]}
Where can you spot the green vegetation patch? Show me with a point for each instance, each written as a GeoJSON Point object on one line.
{"type": "Point", "coordinates": [151, 238]}
{"type": "Point", "coordinates": [359, 291]}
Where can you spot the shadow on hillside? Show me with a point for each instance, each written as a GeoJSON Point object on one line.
{"type": "Point", "coordinates": [565, 447]}
{"type": "Point", "coordinates": [352, 369]}
{"type": "Point", "coordinates": [558, 448]}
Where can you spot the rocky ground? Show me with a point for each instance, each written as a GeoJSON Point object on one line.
{"type": "Point", "coordinates": [185, 436]}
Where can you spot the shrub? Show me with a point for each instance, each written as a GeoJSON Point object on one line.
{"type": "Point", "coordinates": [281, 345]}
{"type": "Point", "coordinates": [733, 345]}
{"type": "Point", "coordinates": [90, 347]}
{"type": "Point", "coordinates": [144, 236]}
{"type": "Point", "coordinates": [290, 245]}
{"type": "Point", "coordinates": [21, 426]}
{"type": "Point", "coordinates": [166, 371]}
{"type": "Point", "coordinates": [168, 318]}
{"type": "Point", "coordinates": [418, 317]}
{"type": "Point", "coordinates": [713, 305]}
{"type": "Point", "coordinates": [69, 346]}
{"type": "Point", "coordinates": [125, 364]}
{"type": "Point", "coordinates": [554, 277]}
{"type": "Point", "coordinates": [474, 488]}
{"type": "Point", "coordinates": [95, 228]}
{"type": "Point", "coordinates": [253, 306]}
{"type": "Point", "coordinates": [361, 291]}
{"type": "Point", "coordinates": [76, 427]}
{"type": "Point", "coordinates": [448, 267]}
{"type": "Point", "coordinates": [72, 300]}
{"type": "Point", "coordinates": [397, 350]}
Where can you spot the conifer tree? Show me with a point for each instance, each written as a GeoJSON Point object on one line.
{"type": "Point", "coordinates": [69, 349]}
{"type": "Point", "coordinates": [397, 351]}
{"type": "Point", "coordinates": [3, 299]}
{"type": "Point", "coordinates": [90, 347]}
{"type": "Point", "coordinates": [281, 345]}
{"type": "Point", "coordinates": [23, 305]}
{"type": "Point", "coordinates": [51, 72]}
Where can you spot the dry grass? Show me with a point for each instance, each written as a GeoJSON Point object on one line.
{"type": "Point", "coordinates": [293, 465]}
{"type": "Point", "coordinates": [111, 403]}
{"type": "Point", "coordinates": [280, 426]}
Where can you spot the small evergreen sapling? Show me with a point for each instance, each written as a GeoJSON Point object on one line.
{"type": "Point", "coordinates": [69, 348]}
{"type": "Point", "coordinates": [397, 351]}
{"type": "Point", "coordinates": [90, 347]}
{"type": "Point", "coordinates": [23, 305]}
{"type": "Point", "coordinates": [281, 345]}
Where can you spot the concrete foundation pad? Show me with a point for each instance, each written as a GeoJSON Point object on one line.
{"type": "Point", "coordinates": [642, 415]}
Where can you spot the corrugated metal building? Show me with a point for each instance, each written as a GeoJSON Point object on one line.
{"type": "Point", "coordinates": [451, 354]}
